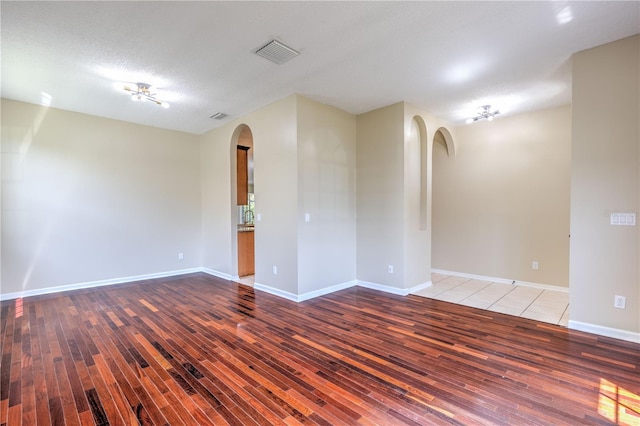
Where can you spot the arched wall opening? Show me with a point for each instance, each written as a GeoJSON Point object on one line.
{"type": "Point", "coordinates": [443, 137]}
{"type": "Point", "coordinates": [241, 159]}
{"type": "Point", "coordinates": [442, 151]}
{"type": "Point", "coordinates": [418, 165]}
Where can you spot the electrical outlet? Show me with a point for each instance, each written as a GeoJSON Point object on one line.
{"type": "Point", "coordinates": [619, 301]}
{"type": "Point", "coordinates": [534, 265]}
{"type": "Point", "coordinates": [275, 270]}
{"type": "Point", "coordinates": [390, 269]}
{"type": "Point", "coordinates": [180, 256]}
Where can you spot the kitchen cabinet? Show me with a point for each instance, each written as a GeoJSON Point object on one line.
{"type": "Point", "coordinates": [246, 257]}
{"type": "Point", "coordinates": [242, 165]}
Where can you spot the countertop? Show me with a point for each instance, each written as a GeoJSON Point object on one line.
{"type": "Point", "coordinates": [246, 228]}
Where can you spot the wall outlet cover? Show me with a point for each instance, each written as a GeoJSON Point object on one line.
{"type": "Point", "coordinates": [619, 301]}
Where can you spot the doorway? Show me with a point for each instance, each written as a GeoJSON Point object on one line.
{"type": "Point", "coordinates": [243, 207]}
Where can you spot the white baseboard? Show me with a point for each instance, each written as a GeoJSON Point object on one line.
{"type": "Point", "coordinates": [382, 287]}
{"type": "Point", "coordinates": [219, 274]}
{"type": "Point", "coordinates": [605, 331]}
{"type": "Point", "coordinates": [501, 280]}
{"type": "Point", "coordinates": [393, 290]}
{"type": "Point", "coordinates": [304, 296]}
{"type": "Point", "coordinates": [99, 283]}
{"type": "Point", "coordinates": [276, 292]}
{"type": "Point", "coordinates": [420, 287]}
{"type": "Point", "coordinates": [326, 290]}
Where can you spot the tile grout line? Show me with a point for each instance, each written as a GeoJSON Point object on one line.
{"type": "Point", "coordinates": [563, 312]}
{"type": "Point", "coordinates": [478, 291]}
{"type": "Point", "coordinates": [504, 295]}
{"type": "Point", "coordinates": [532, 302]}
{"type": "Point", "coordinates": [450, 288]}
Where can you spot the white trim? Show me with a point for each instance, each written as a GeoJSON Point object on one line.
{"type": "Point", "coordinates": [502, 280]}
{"type": "Point", "coordinates": [218, 274]}
{"type": "Point", "coordinates": [420, 287]}
{"type": "Point", "coordinates": [305, 296]}
{"type": "Point", "coordinates": [385, 288]}
{"type": "Point", "coordinates": [276, 292]}
{"type": "Point", "coordinates": [393, 290]}
{"type": "Point", "coordinates": [99, 283]}
{"type": "Point", "coordinates": [326, 290]}
{"type": "Point", "coordinates": [605, 331]}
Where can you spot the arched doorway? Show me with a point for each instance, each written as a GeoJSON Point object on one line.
{"type": "Point", "coordinates": [442, 151]}
{"type": "Point", "coordinates": [418, 166]}
{"type": "Point", "coordinates": [242, 205]}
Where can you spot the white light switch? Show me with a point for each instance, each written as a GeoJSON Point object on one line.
{"type": "Point", "coordinates": [624, 219]}
{"type": "Point", "coordinates": [258, 217]}
{"type": "Point", "coordinates": [307, 217]}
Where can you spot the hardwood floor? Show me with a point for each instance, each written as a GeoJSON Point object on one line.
{"type": "Point", "coordinates": [199, 350]}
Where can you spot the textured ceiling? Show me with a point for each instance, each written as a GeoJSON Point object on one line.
{"type": "Point", "coordinates": [445, 57]}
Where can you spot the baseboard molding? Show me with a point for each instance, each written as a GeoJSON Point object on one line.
{"type": "Point", "coordinates": [420, 287]}
{"type": "Point", "coordinates": [304, 296]}
{"type": "Point", "coordinates": [219, 274]}
{"type": "Point", "coordinates": [326, 290]}
{"type": "Point", "coordinates": [605, 331]}
{"type": "Point", "coordinates": [501, 280]}
{"type": "Point", "coordinates": [276, 292]}
{"type": "Point", "coordinates": [99, 283]}
{"type": "Point", "coordinates": [393, 290]}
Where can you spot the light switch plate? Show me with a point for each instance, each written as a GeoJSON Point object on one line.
{"type": "Point", "coordinates": [623, 219]}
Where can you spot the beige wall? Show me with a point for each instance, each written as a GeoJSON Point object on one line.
{"type": "Point", "coordinates": [394, 195]}
{"type": "Point", "coordinates": [274, 132]}
{"type": "Point", "coordinates": [327, 192]}
{"type": "Point", "coordinates": [420, 129]}
{"type": "Point", "coordinates": [503, 201]}
{"type": "Point", "coordinates": [380, 195]}
{"type": "Point", "coordinates": [87, 199]}
{"type": "Point", "coordinates": [605, 178]}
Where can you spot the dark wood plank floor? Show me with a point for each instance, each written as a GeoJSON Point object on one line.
{"type": "Point", "coordinates": [199, 350]}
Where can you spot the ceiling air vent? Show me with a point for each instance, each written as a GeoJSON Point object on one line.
{"type": "Point", "coordinates": [276, 52]}
{"type": "Point", "coordinates": [219, 116]}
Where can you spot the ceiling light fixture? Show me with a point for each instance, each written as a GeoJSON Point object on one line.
{"type": "Point", "coordinates": [484, 113]}
{"type": "Point", "coordinates": [143, 92]}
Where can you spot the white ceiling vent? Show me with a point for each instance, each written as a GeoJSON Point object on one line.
{"type": "Point", "coordinates": [219, 116]}
{"type": "Point", "coordinates": [276, 52]}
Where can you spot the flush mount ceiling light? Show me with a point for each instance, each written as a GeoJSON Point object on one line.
{"type": "Point", "coordinates": [484, 113]}
{"type": "Point", "coordinates": [141, 92]}
{"type": "Point", "coordinates": [276, 51]}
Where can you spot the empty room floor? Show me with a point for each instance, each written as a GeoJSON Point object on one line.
{"type": "Point", "coordinates": [526, 302]}
{"type": "Point", "coordinates": [199, 350]}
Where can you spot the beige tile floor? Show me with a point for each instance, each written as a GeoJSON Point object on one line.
{"type": "Point", "coordinates": [247, 280]}
{"type": "Point", "coordinates": [527, 302]}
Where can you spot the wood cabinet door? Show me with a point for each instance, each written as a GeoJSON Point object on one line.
{"type": "Point", "coordinates": [246, 257]}
{"type": "Point", "coordinates": [243, 175]}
